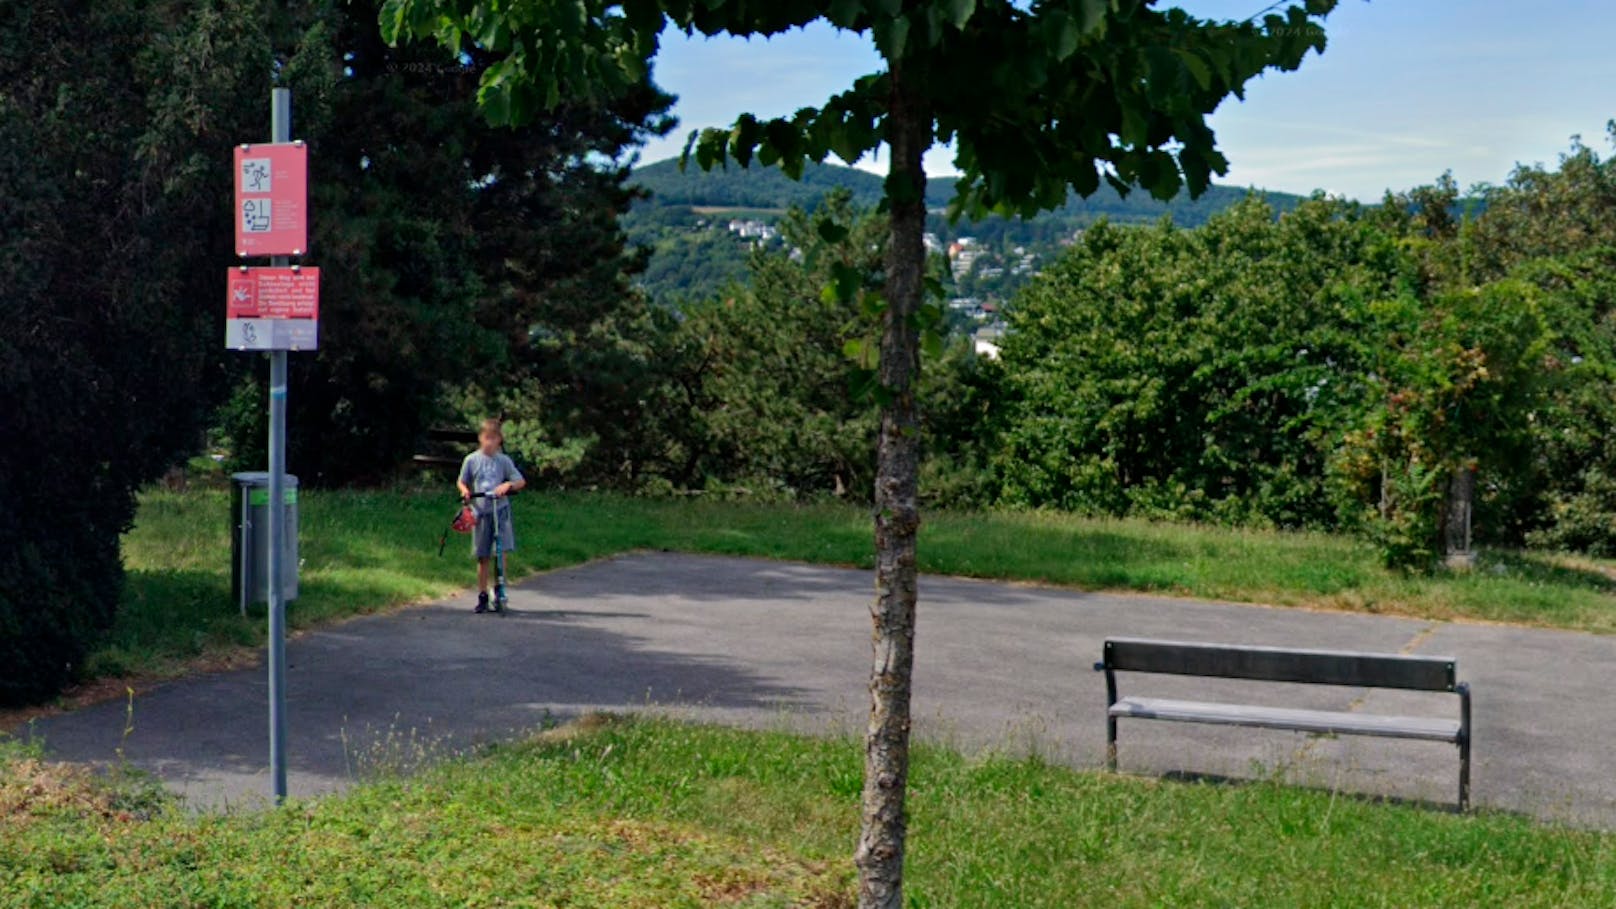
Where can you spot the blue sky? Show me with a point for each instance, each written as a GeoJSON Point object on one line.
{"type": "Point", "coordinates": [1406, 90]}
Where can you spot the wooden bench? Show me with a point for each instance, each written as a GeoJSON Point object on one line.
{"type": "Point", "coordinates": [1273, 664]}
{"type": "Point", "coordinates": [447, 457]}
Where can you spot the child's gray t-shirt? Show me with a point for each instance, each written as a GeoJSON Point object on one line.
{"type": "Point", "coordinates": [482, 473]}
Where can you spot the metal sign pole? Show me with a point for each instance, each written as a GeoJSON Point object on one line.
{"type": "Point", "coordinates": [280, 108]}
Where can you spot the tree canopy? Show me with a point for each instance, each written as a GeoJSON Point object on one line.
{"type": "Point", "coordinates": [1081, 91]}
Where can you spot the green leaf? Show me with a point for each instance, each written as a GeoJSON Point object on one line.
{"type": "Point", "coordinates": [931, 344]}
{"type": "Point", "coordinates": [863, 385]}
{"type": "Point", "coordinates": [959, 12]}
{"type": "Point", "coordinates": [847, 280]}
{"type": "Point", "coordinates": [1091, 14]}
{"type": "Point", "coordinates": [892, 36]}
{"type": "Point", "coordinates": [496, 105]}
{"type": "Point", "coordinates": [841, 139]}
{"type": "Point", "coordinates": [854, 348]}
{"type": "Point", "coordinates": [744, 138]}
{"type": "Point", "coordinates": [392, 16]}
{"type": "Point", "coordinates": [1134, 128]}
{"type": "Point", "coordinates": [1068, 34]}
{"type": "Point", "coordinates": [831, 232]}
{"type": "Point", "coordinates": [644, 16]}
{"type": "Point", "coordinates": [495, 34]}
{"type": "Point", "coordinates": [1197, 172]}
{"type": "Point", "coordinates": [844, 13]}
{"type": "Point", "coordinates": [873, 305]}
{"type": "Point", "coordinates": [690, 144]}
{"type": "Point", "coordinates": [1198, 68]}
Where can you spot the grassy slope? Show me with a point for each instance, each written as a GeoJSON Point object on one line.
{"type": "Point", "coordinates": [653, 814]}
{"type": "Point", "coordinates": [364, 551]}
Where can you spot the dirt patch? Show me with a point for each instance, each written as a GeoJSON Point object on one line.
{"type": "Point", "coordinates": [84, 695]}
{"type": "Point", "coordinates": [582, 727]}
{"type": "Point", "coordinates": [31, 788]}
{"type": "Point", "coordinates": [96, 691]}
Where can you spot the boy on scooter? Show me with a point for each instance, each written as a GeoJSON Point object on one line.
{"type": "Point", "coordinates": [491, 475]}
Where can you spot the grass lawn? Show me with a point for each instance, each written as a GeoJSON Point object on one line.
{"type": "Point", "coordinates": [639, 813]}
{"type": "Point", "coordinates": [364, 551]}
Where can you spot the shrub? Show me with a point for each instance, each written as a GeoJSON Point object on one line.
{"type": "Point", "coordinates": [107, 302]}
{"type": "Point", "coordinates": [58, 590]}
{"type": "Point", "coordinates": [1584, 521]}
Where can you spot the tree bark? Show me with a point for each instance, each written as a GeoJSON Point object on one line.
{"type": "Point", "coordinates": [897, 511]}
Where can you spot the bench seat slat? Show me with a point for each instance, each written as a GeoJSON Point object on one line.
{"type": "Point", "coordinates": [1323, 721]}
{"type": "Point", "coordinates": [1279, 664]}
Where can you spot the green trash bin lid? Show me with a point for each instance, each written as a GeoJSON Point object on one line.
{"type": "Point", "coordinates": [256, 482]}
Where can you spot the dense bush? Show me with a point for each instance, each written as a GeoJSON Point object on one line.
{"type": "Point", "coordinates": [112, 240]}
{"type": "Point", "coordinates": [59, 570]}
{"type": "Point", "coordinates": [1196, 374]}
{"type": "Point", "coordinates": [1333, 367]}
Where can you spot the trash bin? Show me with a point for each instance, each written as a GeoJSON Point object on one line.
{"type": "Point", "coordinates": [249, 539]}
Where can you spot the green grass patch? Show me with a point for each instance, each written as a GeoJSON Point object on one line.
{"type": "Point", "coordinates": [365, 551]}
{"type": "Point", "coordinates": [642, 813]}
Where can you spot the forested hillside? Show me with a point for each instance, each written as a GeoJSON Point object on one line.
{"type": "Point", "coordinates": [685, 221]}
{"type": "Point", "coordinates": [767, 188]}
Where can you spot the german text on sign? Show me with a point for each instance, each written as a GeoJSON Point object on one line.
{"type": "Point", "coordinates": [272, 309]}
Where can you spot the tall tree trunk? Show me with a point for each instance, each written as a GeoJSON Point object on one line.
{"type": "Point", "coordinates": [897, 511]}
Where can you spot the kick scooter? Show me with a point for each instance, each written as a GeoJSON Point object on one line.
{"type": "Point", "coordinates": [500, 600]}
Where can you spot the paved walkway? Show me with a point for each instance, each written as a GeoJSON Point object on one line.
{"type": "Point", "coordinates": [780, 644]}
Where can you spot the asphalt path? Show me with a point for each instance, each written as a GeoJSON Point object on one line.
{"type": "Point", "coordinates": [1003, 667]}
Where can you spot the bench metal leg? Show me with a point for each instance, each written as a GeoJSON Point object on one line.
{"type": "Point", "coordinates": [1464, 776]}
{"type": "Point", "coordinates": [1464, 745]}
{"type": "Point", "coordinates": [1110, 721]}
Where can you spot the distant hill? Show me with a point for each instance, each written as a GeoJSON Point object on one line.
{"type": "Point", "coordinates": [757, 187]}
{"type": "Point", "coordinates": [768, 188]}
{"type": "Point", "coordinates": [686, 223]}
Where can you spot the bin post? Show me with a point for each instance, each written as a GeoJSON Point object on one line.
{"type": "Point", "coordinates": [245, 540]}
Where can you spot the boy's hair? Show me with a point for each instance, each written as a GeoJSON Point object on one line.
{"type": "Point", "coordinates": [492, 425]}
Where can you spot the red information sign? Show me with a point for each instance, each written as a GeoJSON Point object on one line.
{"type": "Point", "coordinates": [272, 199]}
{"type": "Point", "coordinates": [273, 309]}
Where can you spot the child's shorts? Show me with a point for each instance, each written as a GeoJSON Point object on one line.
{"type": "Point", "coordinates": [483, 537]}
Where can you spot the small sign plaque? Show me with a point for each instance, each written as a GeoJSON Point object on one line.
{"type": "Point", "coordinates": [272, 309]}
{"type": "Point", "coordinates": [272, 199]}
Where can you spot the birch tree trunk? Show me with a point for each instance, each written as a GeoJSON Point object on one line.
{"type": "Point", "coordinates": [897, 512]}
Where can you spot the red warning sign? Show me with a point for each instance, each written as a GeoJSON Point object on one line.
{"type": "Point", "coordinates": [274, 293]}
{"type": "Point", "coordinates": [272, 199]}
{"type": "Point", "coordinates": [273, 309]}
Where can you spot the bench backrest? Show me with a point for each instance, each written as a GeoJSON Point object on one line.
{"type": "Point", "coordinates": [1276, 664]}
